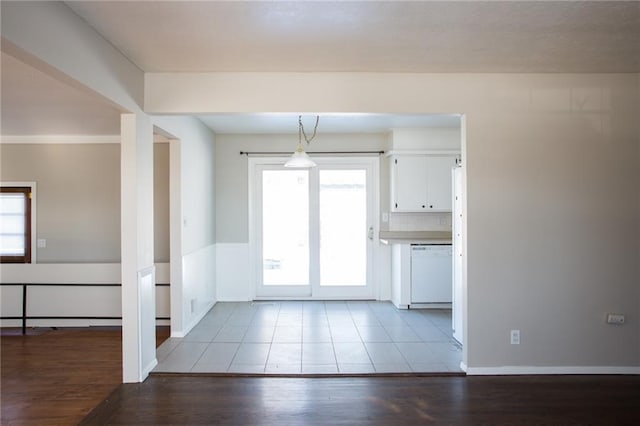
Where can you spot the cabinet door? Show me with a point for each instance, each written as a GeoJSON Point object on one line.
{"type": "Point", "coordinates": [438, 170]}
{"type": "Point", "coordinates": [409, 186]}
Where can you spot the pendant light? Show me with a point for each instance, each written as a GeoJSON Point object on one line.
{"type": "Point", "coordinates": [299, 159]}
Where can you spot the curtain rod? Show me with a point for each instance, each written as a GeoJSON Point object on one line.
{"type": "Point", "coordinates": [247, 153]}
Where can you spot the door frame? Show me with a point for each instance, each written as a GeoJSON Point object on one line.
{"type": "Point", "coordinates": [254, 239]}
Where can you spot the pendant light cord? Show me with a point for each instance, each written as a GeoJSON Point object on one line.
{"type": "Point", "coordinates": [302, 133]}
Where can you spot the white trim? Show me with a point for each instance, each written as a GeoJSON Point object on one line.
{"type": "Point", "coordinates": [175, 235]}
{"type": "Point", "coordinates": [144, 329]}
{"type": "Point", "coordinates": [194, 321]}
{"type": "Point", "coordinates": [529, 370]}
{"type": "Point", "coordinates": [372, 290]}
{"type": "Point", "coordinates": [376, 250]}
{"type": "Point", "coordinates": [34, 209]}
{"type": "Point", "coordinates": [465, 256]}
{"type": "Point", "coordinates": [310, 298]}
{"type": "Point", "coordinates": [252, 162]}
{"type": "Point", "coordinates": [148, 368]}
{"type": "Point", "coordinates": [59, 139]}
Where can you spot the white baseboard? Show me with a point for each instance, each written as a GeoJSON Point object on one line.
{"type": "Point", "coordinates": [196, 319]}
{"type": "Point", "coordinates": [146, 370]}
{"type": "Point", "coordinates": [529, 370]}
{"type": "Point", "coordinates": [430, 306]}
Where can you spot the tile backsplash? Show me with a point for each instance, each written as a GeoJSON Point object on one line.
{"type": "Point", "coordinates": [419, 222]}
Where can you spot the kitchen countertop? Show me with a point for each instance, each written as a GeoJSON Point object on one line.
{"type": "Point", "coordinates": [415, 237]}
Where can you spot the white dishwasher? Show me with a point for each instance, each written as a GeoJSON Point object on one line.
{"type": "Point", "coordinates": [431, 273]}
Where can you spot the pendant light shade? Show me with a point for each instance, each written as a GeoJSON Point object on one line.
{"type": "Point", "coordinates": [299, 158]}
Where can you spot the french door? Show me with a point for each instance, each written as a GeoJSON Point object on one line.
{"type": "Point", "coordinates": [313, 229]}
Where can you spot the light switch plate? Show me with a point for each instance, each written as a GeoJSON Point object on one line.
{"type": "Point", "coordinates": [41, 243]}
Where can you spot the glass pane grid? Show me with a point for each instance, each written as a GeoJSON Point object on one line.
{"type": "Point", "coordinates": [12, 224]}
{"type": "Point", "coordinates": [285, 227]}
{"type": "Point", "coordinates": [343, 228]}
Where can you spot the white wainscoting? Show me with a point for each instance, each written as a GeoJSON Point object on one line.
{"type": "Point", "coordinates": [146, 295]}
{"type": "Point", "coordinates": [73, 299]}
{"type": "Point", "coordinates": [234, 282]}
{"type": "Point", "coordinates": [198, 287]}
{"type": "Point", "coordinates": [233, 275]}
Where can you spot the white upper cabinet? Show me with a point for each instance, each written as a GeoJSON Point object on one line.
{"type": "Point", "coordinates": [421, 183]}
{"type": "Point", "coordinates": [408, 184]}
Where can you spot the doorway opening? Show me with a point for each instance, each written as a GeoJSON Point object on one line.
{"type": "Point", "coordinates": [313, 228]}
{"type": "Point", "coordinates": [161, 234]}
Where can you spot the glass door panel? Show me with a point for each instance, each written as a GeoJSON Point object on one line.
{"type": "Point", "coordinates": [343, 228]}
{"type": "Point", "coordinates": [285, 227]}
{"type": "Point", "coordinates": [311, 230]}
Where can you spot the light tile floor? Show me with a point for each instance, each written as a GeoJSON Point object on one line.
{"type": "Point", "coordinates": [314, 337]}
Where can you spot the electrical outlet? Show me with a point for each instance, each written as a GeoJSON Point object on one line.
{"type": "Point", "coordinates": [41, 243]}
{"type": "Point", "coordinates": [515, 337]}
{"type": "Point", "coordinates": [615, 319]}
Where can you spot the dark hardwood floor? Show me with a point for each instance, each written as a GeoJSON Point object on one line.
{"type": "Point", "coordinates": [56, 377]}
{"type": "Point", "coordinates": [533, 400]}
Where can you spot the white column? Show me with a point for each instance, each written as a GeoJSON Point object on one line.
{"type": "Point", "coordinates": [175, 230]}
{"type": "Point", "coordinates": [138, 303]}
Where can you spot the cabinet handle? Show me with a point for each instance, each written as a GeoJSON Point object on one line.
{"type": "Point", "coordinates": [423, 206]}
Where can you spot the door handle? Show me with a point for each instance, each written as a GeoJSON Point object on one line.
{"type": "Point", "coordinates": [370, 233]}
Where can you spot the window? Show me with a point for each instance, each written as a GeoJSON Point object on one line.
{"type": "Point", "coordinates": [15, 224]}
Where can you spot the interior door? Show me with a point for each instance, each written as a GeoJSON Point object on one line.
{"type": "Point", "coordinates": [314, 230]}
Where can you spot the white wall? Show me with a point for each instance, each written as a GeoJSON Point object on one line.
{"type": "Point", "coordinates": [232, 220]}
{"type": "Point", "coordinates": [425, 139]}
{"type": "Point", "coordinates": [136, 218]}
{"type": "Point", "coordinates": [76, 297]}
{"type": "Point", "coordinates": [552, 164]}
{"type": "Point", "coordinates": [78, 198]}
{"type": "Point", "coordinates": [232, 198]}
{"type": "Point", "coordinates": [50, 37]}
{"type": "Point", "coordinates": [161, 249]}
{"type": "Point", "coordinates": [78, 213]}
{"type": "Point", "coordinates": [193, 278]}
{"type": "Point", "coordinates": [553, 213]}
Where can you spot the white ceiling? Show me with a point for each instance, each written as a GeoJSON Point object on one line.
{"type": "Point", "coordinates": [367, 36]}
{"type": "Point", "coordinates": [328, 123]}
{"type": "Point", "coordinates": [371, 36]}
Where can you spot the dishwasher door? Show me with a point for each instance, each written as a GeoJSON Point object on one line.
{"type": "Point", "coordinates": [431, 273]}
